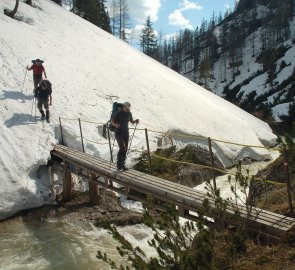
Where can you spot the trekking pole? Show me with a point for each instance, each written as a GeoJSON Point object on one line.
{"type": "Point", "coordinates": [131, 139]}
{"type": "Point", "coordinates": [112, 149]}
{"type": "Point", "coordinates": [113, 145]}
{"type": "Point", "coordinates": [24, 80]}
{"type": "Point", "coordinates": [35, 110]}
{"type": "Point", "coordinates": [110, 146]}
{"type": "Point", "coordinates": [33, 101]}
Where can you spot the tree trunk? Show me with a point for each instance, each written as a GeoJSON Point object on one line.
{"type": "Point", "coordinates": [13, 12]}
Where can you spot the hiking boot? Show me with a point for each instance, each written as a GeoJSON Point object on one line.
{"type": "Point", "coordinates": [124, 168]}
{"type": "Point", "coordinates": [47, 115]}
{"type": "Point", "coordinates": [42, 114]}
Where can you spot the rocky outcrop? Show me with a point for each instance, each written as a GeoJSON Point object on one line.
{"type": "Point", "coordinates": [108, 209]}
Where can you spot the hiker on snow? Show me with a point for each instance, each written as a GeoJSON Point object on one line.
{"type": "Point", "coordinates": [43, 93]}
{"type": "Point", "coordinates": [120, 121]}
{"type": "Point", "coordinates": [38, 70]}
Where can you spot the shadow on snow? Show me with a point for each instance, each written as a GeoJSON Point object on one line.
{"type": "Point", "coordinates": [20, 119]}
{"type": "Point", "coordinates": [6, 94]}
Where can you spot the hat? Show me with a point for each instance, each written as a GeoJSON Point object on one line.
{"type": "Point", "coordinates": [127, 104]}
{"type": "Point", "coordinates": [38, 60]}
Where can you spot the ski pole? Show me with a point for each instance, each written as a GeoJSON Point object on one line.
{"type": "Point", "coordinates": [35, 110]}
{"type": "Point", "coordinates": [132, 139]}
{"type": "Point", "coordinates": [33, 101]}
{"type": "Point", "coordinates": [112, 149]}
{"type": "Point", "coordinates": [24, 80]}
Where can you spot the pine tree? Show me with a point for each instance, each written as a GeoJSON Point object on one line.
{"type": "Point", "coordinates": [220, 18]}
{"type": "Point", "coordinates": [104, 18]}
{"type": "Point", "coordinates": [289, 119]}
{"type": "Point", "coordinates": [148, 40]}
{"type": "Point", "coordinates": [59, 2]}
{"type": "Point", "coordinates": [119, 18]}
{"type": "Point", "coordinates": [204, 69]}
{"type": "Point", "coordinates": [123, 19]}
{"type": "Point", "coordinates": [114, 15]}
{"type": "Point", "coordinates": [93, 11]}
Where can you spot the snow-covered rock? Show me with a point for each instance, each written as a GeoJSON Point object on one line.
{"type": "Point", "coordinates": [84, 64]}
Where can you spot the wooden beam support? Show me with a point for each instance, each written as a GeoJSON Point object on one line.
{"type": "Point", "coordinates": [67, 183]}
{"type": "Point", "coordinates": [93, 191]}
{"type": "Point", "coordinates": [182, 211]}
{"type": "Point", "coordinates": [126, 190]}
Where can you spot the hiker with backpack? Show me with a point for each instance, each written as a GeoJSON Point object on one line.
{"type": "Point", "coordinates": [120, 121]}
{"type": "Point", "coordinates": [44, 95]}
{"type": "Point", "coordinates": [38, 70]}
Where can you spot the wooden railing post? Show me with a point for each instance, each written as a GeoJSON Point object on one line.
{"type": "Point", "coordinates": [212, 164]}
{"type": "Point", "coordinates": [67, 184]}
{"type": "Point", "coordinates": [81, 133]}
{"type": "Point", "coordinates": [61, 132]}
{"type": "Point", "coordinates": [148, 149]}
{"type": "Point", "coordinates": [110, 144]}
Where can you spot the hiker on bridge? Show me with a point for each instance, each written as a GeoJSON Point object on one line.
{"type": "Point", "coordinates": [43, 94]}
{"type": "Point", "coordinates": [38, 70]}
{"type": "Point", "coordinates": [120, 121]}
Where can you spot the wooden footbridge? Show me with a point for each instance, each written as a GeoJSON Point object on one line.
{"type": "Point", "coordinates": [139, 186]}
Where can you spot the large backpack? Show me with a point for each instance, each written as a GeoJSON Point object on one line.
{"type": "Point", "coordinates": [48, 84]}
{"type": "Point", "coordinates": [116, 108]}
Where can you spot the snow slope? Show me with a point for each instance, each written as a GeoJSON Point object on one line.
{"type": "Point", "coordinates": [83, 62]}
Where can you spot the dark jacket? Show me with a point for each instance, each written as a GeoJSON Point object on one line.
{"type": "Point", "coordinates": [123, 119]}
{"type": "Point", "coordinates": [43, 93]}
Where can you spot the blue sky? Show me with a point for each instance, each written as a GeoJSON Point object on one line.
{"type": "Point", "coordinates": [170, 16]}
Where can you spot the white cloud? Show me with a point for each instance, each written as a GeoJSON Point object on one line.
{"type": "Point", "coordinates": [176, 18]}
{"type": "Point", "coordinates": [188, 5]}
{"type": "Point", "coordinates": [137, 31]}
{"type": "Point", "coordinates": [171, 36]}
{"type": "Point", "coordinates": [140, 9]}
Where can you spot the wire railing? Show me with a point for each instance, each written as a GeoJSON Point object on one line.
{"type": "Point", "coordinates": [273, 185]}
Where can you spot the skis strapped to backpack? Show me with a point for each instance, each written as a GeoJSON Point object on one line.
{"type": "Point", "coordinates": [116, 108]}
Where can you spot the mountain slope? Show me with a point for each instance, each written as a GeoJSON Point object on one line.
{"type": "Point", "coordinates": [247, 58]}
{"type": "Point", "coordinates": [84, 64]}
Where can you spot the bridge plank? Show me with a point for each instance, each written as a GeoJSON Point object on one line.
{"type": "Point", "coordinates": [164, 188]}
{"type": "Point", "coordinates": [171, 186]}
{"type": "Point", "coordinates": [103, 163]}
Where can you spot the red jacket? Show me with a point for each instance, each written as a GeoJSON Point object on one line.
{"type": "Point", "coordinates": [37, 70]}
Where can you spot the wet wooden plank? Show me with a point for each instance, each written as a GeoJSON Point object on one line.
{"type": "Point", "coordinates": [187, 198]}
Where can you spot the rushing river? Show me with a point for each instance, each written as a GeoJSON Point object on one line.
{"type": "Point", "coordinates": [60, 243]}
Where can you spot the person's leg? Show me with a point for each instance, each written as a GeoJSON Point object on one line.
{"type": "Point", "coordinates": [46, 106]}
{"type": "Point", "coordinates": [40, 104]}
{"type": "Point", "coordinates": [122, 150]}
{"type": "Point", "coordinates": [126, 143]}
{"type": "Point", "coordinates": [37, 80]}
